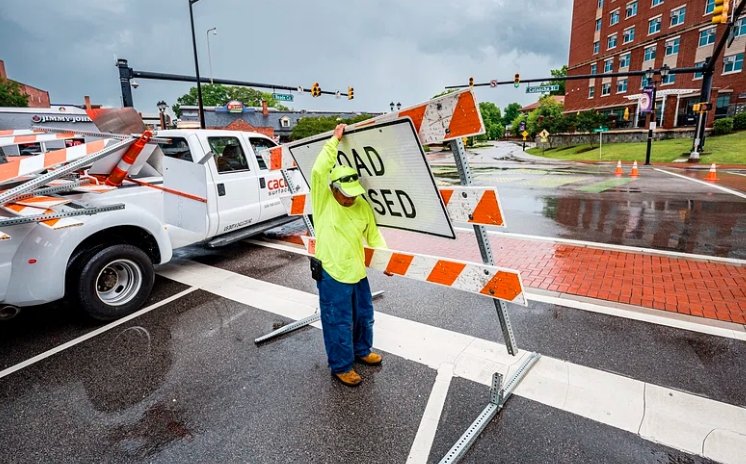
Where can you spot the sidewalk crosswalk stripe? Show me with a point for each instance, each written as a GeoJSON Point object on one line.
{"type": "Point", "coordinates": [662, 415]}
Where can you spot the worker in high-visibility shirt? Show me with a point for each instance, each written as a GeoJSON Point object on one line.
{"type": "Point", "coordinates": [342, 220]}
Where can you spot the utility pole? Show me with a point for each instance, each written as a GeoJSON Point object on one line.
{"type": "Point", "coordinates": [196, 69]}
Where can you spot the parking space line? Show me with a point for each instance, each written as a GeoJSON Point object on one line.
{"type": "Point", "coordinates": [89, 335]}
{"type": "Point", "coordinates": [659, 414]}
{"type": "Point", "coordinates": [653, 316]}
{"type": "Point", "coordinates": [423, 441]}
{"type": "Point", "coordinates": [710, 184]}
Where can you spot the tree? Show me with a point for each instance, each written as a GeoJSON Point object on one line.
{"type": "Point", "coordinates": [511, 112]}
{"type": "Point", "coordinates": [313, 125]}
{"type": "Point", "coordinates": [589, 120]}
{"type": "Point", "coordinates": [219, 95]}
{"type": "Point", "coordinates": [11, 94]}
{"type": "Point", "coordinates": [561, 72]}
{"type": "Point", "coordinates": [492, 121]}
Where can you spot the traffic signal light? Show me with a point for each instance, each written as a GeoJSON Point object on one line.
{"type": "Point", "coordinates": [696, 107]}
{"type": "Point", "coordinates": [626, 114]}
{"type": "Point", "coordinates": [471, 82]}
{"type": "Point", "coordinates": [350, 93]}
{"type": "Point", "coordinates": [720, 12]}
{"type": "Point", "coordinates": [315, 90]}
{"type": "Point", "coordinates": [517, 80]}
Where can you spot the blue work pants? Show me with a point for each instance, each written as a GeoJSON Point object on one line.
{"type": "Point", "coordinates": [346, 319]}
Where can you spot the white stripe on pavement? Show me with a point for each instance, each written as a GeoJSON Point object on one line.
{"type": "Point", "coordinates": [670, 417]}
{"type": "Point", "coordinates": [93, 333]}
{"type": "Point", "coordinates": [637, 313]}
{"type": "Point", "coordinates": [710, 184]}
{"type": "Point", "coordinates": [423, 441]}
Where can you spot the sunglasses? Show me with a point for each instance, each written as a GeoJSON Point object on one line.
{"type": "Point", "coordinates": [345, 179]}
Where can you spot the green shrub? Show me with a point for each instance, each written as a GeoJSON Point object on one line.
{"type": "Point", "coordinates": [739, 121]}
{"type": "Point", "coordinates": [722, 126]}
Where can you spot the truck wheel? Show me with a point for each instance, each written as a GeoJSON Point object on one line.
{"type": "Point", "coordinates": [114, 281]}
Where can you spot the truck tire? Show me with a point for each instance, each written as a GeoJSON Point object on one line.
{"type": "Point", "coordinates": [114, 281]}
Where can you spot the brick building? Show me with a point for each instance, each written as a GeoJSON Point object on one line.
{"type": "Point", "coordinates": [632, 35]}
{"type": "Point", "coordinates": [37, 98]}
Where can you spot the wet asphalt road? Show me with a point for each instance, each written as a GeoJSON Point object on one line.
{"type": "Point", "coordinates": [186, 383]}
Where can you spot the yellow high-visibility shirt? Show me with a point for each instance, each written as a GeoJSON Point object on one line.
{"type": "Point", "coordinates": [339, 229]}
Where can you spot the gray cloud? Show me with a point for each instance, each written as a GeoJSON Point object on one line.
{"type": "Point", "coordinates": [388, 50]}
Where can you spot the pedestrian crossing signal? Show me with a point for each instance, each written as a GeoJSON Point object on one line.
{"type": "Point", "coordinates": [517, 80]}
{"type": "Point", "coordinates": [350, 93]}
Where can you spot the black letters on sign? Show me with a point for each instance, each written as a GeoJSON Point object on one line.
{"type": "Point", "coordinates": [396, 203]}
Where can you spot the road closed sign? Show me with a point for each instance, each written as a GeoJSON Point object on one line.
{"type": "Point", "coordinates": [394, 172]}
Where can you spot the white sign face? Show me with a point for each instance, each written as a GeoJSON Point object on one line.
{"type": "Point", "coordinates": [394, 172]}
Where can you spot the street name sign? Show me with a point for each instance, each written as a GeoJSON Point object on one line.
{"type": "Point", "coordinates": [283, 97]}
{"type": "Point", "coordinates": [601, 129]}
{"type": "Point", "coordinates": [393, 170]}
{"type": "Point", "coordinates": [543, 88]}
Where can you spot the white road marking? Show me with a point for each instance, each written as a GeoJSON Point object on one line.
{"type": "Point", "coordinates": [423, 441]}
{"type": "Point", "coordinates": [737, 173]}
{"type": "Point", "coordinates": [89, 335]}
{"type": "Point", "coordinates": [710, 184]}
{"type": "Point", "coordinates": [609, 246]}
{"type": "Point", "coordinates": [670, 417]}
{"type": "Point", "coordinates": [637, 313]}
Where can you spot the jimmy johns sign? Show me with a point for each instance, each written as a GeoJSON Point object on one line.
{"type": "Point", "coordinates": [393, 169]}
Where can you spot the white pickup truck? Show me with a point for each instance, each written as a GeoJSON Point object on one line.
{"type": "Point", "coordinates": [200, 186]}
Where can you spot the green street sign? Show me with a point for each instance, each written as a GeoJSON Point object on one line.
{"type": "Point", "coordinates": [601, 129]}
{"type": "Point", "coordinates": [285, 97]}
{"type": "Point", "coordinates": [543, 88]}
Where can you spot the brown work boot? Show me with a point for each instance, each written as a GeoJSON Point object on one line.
{"type": "Point", "coordinates": [349, 378]}
{"type": "Point", "coordinates": [372, 359]}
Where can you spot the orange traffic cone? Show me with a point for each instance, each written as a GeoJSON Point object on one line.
{"type": "Point", "coordinates": [634, 172]}
{"type": "Point", "coordinates": [712, 176]}
{"type": "Point", "coordinates": [618, 171]}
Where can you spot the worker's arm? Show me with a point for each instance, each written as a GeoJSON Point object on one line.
{"type": "Point", "coordinates": [325, 161]}
{"type": "Point", "coordinates": [373, 236]}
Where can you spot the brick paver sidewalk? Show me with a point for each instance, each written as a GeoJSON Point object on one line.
{"type": "Point", "coordinates": [684, 285]}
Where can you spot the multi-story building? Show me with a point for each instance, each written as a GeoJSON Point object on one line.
{"type": "Point", "coordinates": [632, 35]}
{"type": "Point", "coordinates": [37, 98]}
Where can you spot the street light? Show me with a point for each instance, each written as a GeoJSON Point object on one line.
{"type": "Point", "coordinates": [196, 68]}
{"type": "Point", "coordinates": [162, 109]}
{"type": "Point", "coordinates": [398, 106]}
{"type": "Point", "coordinates": [214, 31]}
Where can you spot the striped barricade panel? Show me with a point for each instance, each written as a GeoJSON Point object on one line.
{"type": "Point", "coordinates": [34, 138]}
{"type": "Point", "coordinates": [492, 281]}
{"type": "Point", "coordinates": [15, 132]}
{"type": "Point", "coordinates": [20, 166]}
{"type": "Point", "coordinates": [441, 119]}
{"type": "Point", "coordinates": [42, 201]}
{"type": "Point", "coordinates": [277, 158]}
{"type": "Point", "coordinates": [59, 223]}
{"type": "Point", "coordinates": [472, 205]}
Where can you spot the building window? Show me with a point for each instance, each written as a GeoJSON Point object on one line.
{"type": "Point", "coordinates": [596, 47]}
{"type": "Point", "coordinates": [611, 42]}
{"type": "Point", "coordinates": [706, 37]}
{"type": "Point", "coordinates": [709, 6]}
{"type": "Point", "coordinates": [629, 34]}
{"type": "Point", "coordinates": [613, 17]}
{"type": "Point", "coordinates": [698, 75]}
{"type": "Point", "coordinates": [598, 24]}
{"type": "Point", "coordinates": [600, 3]}
{"type": "Point", "coordinates": [621, 86]}
{"type": "Point", "coordinates": [606, 89]}
{"type": "Point", "coordinates": [594, 68]}
{"type": "Point", "coordinates": [285, 122]}
{"type": "Point", "coordinates": [739, 27]}
{"type": "Point", "coordinates": [721, 105]}
{"type": "Point", "coordinates": [654, 25]}
{"type": "Point", "coordinates": [658, 2]}
{"type": "Point", "coordinates": [608, 65]}
{"type": "Point", "coordinates": [733, 63]}
{"type": "Point", "coordinates": [669, 79]}
{"type": "Point", "coordinates": [591, 92]}
{"type": "Point", "coordinates": [672, 46]}
{"type": "Point", "coordinates": [631, 9]}
{"type": "Point", "coordinates": [649, 53]}
{"type": "Point", "coordinates": [624, 61]}
{"type": "Point", "coordinates": [677, 16]}
{"type": "Point", "coordinates": [645, 82]}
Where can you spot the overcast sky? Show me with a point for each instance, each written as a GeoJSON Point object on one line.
{"type": "Point", "coordinates": [388, 50]}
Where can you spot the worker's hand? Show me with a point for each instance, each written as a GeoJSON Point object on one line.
{"type": "Point", "coordinates": [388, 273]}
{"type": "Point", "coordinates": [339, 131]}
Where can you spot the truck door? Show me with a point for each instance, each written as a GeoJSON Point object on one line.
{"type": "Point", "coordinates": [271, 183]}
{"type": "Point", "coordinates": [236, 184]}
